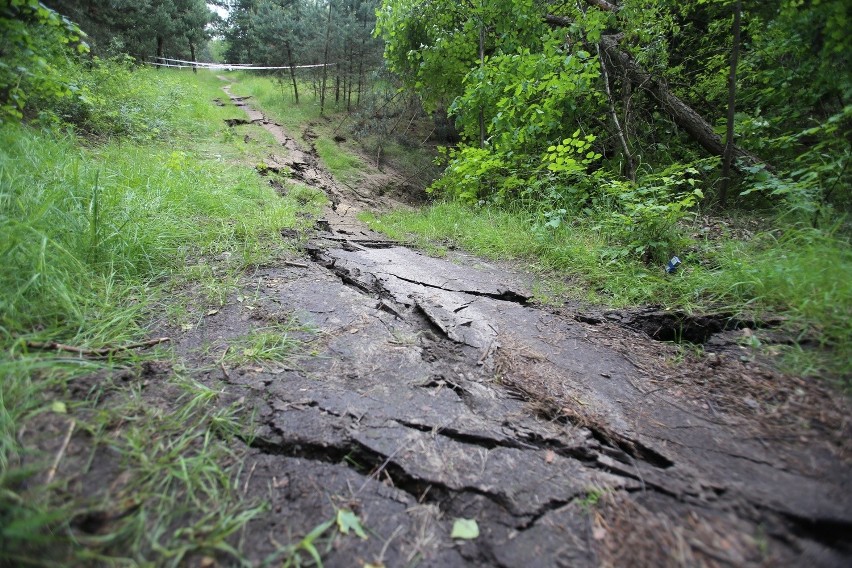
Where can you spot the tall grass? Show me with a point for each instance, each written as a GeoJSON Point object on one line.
{"type": "Point", "coordinates": [97, 235]}
{"type": "Point", "coordinates": [82, 228]}
{"type": "Point", "coordinates": [803, 275]}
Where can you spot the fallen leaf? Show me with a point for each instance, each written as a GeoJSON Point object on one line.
{"type": "Point", "coordinates": [549, 456]}
{"type": "Point", "coordinates": [465, 529]}
{"type": "Point", "coordinates": [187, 327]}
{"type": "Point", "coordinates": [212, 312]}
{"type": "Point", "coordinates": [353, 330]}
{"type": "Point", "coordinates": [59, 407]}
{"type": "Point", "coordinates": [347, 520]}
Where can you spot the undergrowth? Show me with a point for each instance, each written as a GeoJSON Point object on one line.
{"type": "Point", "coordinates": [114, 209]}
{"type": "Point", "coordinates": [797, 272]}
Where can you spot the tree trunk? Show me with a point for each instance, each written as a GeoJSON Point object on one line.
{"type": "Point", "coordinates": [192, 56]}
{"type": "Point", "coordinates": [292, 71]}
{"type": "Point", "coordinates": [325, 62]}
{"type": "Point", "coordinates": [160, 49]}
{"type": "Point", "coordinates": [482, 69]}
{"type": "Point", "coordinates": [728, 155]}
{"type": "Point", "coordinates": [622, 137]}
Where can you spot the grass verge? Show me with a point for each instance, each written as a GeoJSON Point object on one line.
{"type": "Point", "coordinates": [102, 235]}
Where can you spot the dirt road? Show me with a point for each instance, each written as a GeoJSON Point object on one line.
{"type": "Point", "coordinates": [437, 390]}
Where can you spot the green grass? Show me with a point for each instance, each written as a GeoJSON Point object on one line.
{"type": "Point", "coordinates": [274, 344]}
{"type": "Point", "coordinates": [99, 237]}
{"type": "Point", "coordinates": [805, 275]}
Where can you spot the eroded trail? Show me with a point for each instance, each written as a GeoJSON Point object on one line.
{"type": "Point", "coordinates": [438, 390]}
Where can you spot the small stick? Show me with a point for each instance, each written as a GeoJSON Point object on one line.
{"type": "Point", "coordinates": [100, 352]}
{"type": "Point", "coordinates": [251, 471]}
{"type": "Point", "coordinates": [51, 473]}
{"type": "Point", "coordinates": [296, 264]}
{"type": "Point", "coordinates": [485, 353]}
{"type": "Point", "coordinates": [379, 471]}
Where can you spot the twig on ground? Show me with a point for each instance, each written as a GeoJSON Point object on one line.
{"type": "Point", "coordinates": [51, 473]}
{"type": "Point", "coordinates": [485, 353]}
{"type": "Point", "coordinates": [99, 352]}
{"type": "Point", "coordinates": [296, 264]}
{"type": "Point", "coordinates": [379, 471]}
{"type": "Point", "coordinates": [248, 479]}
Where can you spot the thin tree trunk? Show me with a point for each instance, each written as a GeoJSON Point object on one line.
{"type": "Point", "coordinates": [628, 157]}
{"type": "Point", "coordinates": [325, 61]}
{"type": "Point", "coordinates": [482, 70]}
{"type": "Point", "coordinates": [292, 71]}
{"type": "Point", "coordinates": [728, 155]}
{"type": "Point", "coordinates": [160, 49]}
{"type": "Point", "coordinates": [192, 56]}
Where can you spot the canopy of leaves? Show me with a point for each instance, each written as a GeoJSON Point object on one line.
{"type": "Point", "coordinates": [533, 85]}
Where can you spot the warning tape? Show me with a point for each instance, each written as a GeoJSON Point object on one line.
{"type": "Point", "coordinates": [227, 66]}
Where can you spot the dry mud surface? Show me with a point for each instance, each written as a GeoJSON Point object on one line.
{"type": "Point", "coordinates": [436, 389]}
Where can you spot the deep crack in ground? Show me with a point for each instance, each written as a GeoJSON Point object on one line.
{"type": "Point", "coordinates": [437, 389]}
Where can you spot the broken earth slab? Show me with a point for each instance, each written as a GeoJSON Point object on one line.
{"type": "Point", "coordinates": [439, 387]}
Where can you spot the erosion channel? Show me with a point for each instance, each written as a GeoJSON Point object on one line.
{"type": "Point", "coordinates": [439, 390]}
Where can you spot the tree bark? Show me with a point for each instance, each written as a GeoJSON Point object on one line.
{"type": "Point", "coordinates": [728, 155]}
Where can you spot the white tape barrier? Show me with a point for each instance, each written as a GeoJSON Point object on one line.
{"type": "Point", "coordinates": [183, 64]}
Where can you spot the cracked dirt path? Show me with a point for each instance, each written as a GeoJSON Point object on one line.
{"type": "Point", "coordinates": [439, 390]}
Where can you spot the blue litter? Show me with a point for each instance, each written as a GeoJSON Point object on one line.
{"type": "Point", "coordinates": [672, 265]}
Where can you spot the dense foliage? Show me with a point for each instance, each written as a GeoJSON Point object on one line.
{"type": "Point", "coordinates": [144, 29]}
{"type": "Point", "coordinates": [582, 110]}
{"type": "Point", "coordinates": [301, 32]}
{"type": "Point", "coordinates": [33, 46]}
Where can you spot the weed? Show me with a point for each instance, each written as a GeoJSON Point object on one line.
{"type": "Point", "coordinates": [268, 344]}
{"type": "Point", "coordinates": [592, 498]}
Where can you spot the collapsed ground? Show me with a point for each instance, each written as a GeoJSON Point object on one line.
{"type": "Point", "coordinates": [437, 389]}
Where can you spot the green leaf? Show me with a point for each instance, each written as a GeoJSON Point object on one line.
{"type": "Point", "coordinates": [347, 520]}
{"type": "Point", "coordinates": [59, 407]}
{"type": "Point", "coordinates": [465, 529]}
